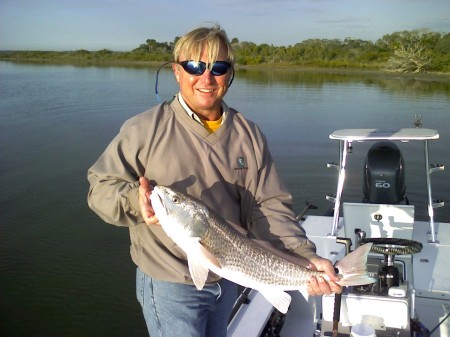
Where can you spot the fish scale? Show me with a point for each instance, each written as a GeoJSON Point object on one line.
{"type": "Point", "coordinates": [253, 261]}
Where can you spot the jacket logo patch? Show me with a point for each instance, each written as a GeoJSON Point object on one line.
{"type": "Point", "coordinates": [241, 164]}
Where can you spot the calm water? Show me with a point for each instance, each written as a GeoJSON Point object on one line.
{"type": "Point", "coordinates": [66, 273]}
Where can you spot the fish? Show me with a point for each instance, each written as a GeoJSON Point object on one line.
{"type": "Point", "coordinates": [212, 244]}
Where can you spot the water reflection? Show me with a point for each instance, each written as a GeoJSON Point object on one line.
{"type": "Point", "coordinates": [409, 85]}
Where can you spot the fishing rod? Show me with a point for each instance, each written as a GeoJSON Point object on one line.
{"type": "Point", "coordinates": [439, 324]}
{"type": "Point", "coordinates": [242, 299]}
{"type": "Point", "coordinates": [338, 297]}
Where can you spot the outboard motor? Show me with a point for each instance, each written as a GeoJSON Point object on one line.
{"type": "Point", "coordinates": [384, 174]}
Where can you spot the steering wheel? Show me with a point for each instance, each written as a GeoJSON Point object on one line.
{"type": "Point", "coordinates": [393, 246]}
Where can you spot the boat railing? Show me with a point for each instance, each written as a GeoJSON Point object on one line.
{"type": "Point", "coordinates": [347, 136]}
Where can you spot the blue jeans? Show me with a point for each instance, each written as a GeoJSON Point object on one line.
{"type": "Point", "coordinates": [175, 309]}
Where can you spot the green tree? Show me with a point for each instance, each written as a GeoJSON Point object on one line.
{"type": "Point", "coordinates": [411, 50]}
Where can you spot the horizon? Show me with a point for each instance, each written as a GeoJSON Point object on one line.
{"type": "Point", "coordinates": [53, 25]}
{"type": "Point", "coordinates": [143, 42]}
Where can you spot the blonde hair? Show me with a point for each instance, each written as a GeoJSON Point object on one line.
{"type": "Point", "coordinates": [191, 44]}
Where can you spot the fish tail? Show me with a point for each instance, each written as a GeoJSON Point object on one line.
{"type": "Point", "coordinates": [353, 267]}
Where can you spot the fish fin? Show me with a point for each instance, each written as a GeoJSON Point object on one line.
{"type": "Point", "coordinates": [209, 257]}
{"type": "Point", "coordinates": [200, 260]}
{"type": "Point", "coordinates": [353, 267]}
{"type": "Point", "coordinates": [356, 280]}
{"type": "Point", "coordinates": [278, 298]}
{"type": "Point", "coordinates": [198, 271]}
{"type": "Point", "coordinates": [239, 229]}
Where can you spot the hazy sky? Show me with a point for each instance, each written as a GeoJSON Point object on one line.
{"type": "Point", "coordinates": [125, 24]}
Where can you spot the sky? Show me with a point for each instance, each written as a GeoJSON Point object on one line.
{"type": "Point", "coordinates": [122, 25]}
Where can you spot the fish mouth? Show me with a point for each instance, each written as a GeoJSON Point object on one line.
{"type": "Point", "coordinates": [159, 193]}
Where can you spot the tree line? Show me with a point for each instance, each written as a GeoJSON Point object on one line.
{"type": "Point", "coordinates": [413, 51]}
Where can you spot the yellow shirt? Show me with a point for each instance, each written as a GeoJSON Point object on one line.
{"type": "Point", "coordinates": [212, 126]}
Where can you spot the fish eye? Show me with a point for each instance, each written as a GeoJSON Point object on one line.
{"type": "Point", "coordinates": [175, 199]}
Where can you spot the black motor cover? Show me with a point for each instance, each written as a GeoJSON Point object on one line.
{"type": "Point", "coordinates": [384, 174]}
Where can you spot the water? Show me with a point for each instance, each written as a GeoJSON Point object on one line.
{"type": "Point", "coordinates": [66, 273]}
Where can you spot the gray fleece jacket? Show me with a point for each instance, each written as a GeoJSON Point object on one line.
{"type": "Point", "coordinates": [231, 170]}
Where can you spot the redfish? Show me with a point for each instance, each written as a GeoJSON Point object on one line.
{"type": "Point", "coordinates": [211, 244]}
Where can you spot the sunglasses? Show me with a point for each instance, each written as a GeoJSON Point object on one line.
{"type": "Point", "coordinates": [197, 68]}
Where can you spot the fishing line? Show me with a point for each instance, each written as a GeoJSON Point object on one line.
{"type": "Point", "coordinates": [437, 326]}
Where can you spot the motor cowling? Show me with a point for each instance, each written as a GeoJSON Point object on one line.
{"type": "Point", "coordinates": [384, 174]}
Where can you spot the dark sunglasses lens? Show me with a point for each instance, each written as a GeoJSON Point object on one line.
{"type": "Point", "coordinates": [220, 68]}
{"type": "Point", "coordinates": [193, 67]}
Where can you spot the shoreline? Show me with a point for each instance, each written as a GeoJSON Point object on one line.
{"type": "Point", "coordinates": [370, 71]}
{"type": "Point", "coordinates": [349, 71]}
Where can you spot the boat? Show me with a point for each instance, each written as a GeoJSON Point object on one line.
{"type": "Point", "coordinates": [408, 259]}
